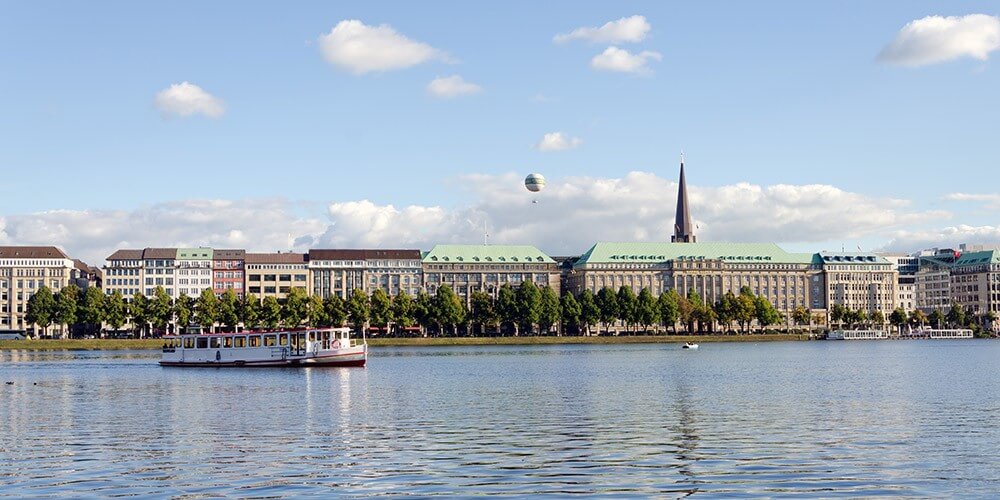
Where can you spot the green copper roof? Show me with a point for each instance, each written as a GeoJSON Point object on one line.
{"type": "Point", "coordinates": [976, 258]}
{"type": "Point", "coordinates": [651, 253]}
{"type": "Point", "coordinates": [486, 253]}
{"type": "Point", "coordinates": [194, 253]}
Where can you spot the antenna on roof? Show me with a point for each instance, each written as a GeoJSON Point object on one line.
{"type": "Point", "coordinates": [486, 234]}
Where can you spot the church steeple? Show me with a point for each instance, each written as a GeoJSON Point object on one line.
{"type": "Point", "coordinates": [683, 228]}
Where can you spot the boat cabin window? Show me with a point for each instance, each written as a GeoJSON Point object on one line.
{"type": "Point", "coordinates": [240, 341]}
{"type": "Point", "coordinates": [202, 343]}
{"type": "Point", "coordinates": [312, 336]}
{"type": "Point", "coordinates": [269, 340]}
{"type": "Point", "coordinates": [188, 343]}
{"type": "Point", "coordinates": [214, 342]}
{"type": "Point", "coordinates": [227, 341]}
{"type": "Point", "coordinates": [283, 339]}
{"type": "Point", "coordinates": [255, 341]}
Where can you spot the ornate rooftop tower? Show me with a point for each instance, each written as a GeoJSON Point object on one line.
{"type": "Point", "coordinates": [683, 228]}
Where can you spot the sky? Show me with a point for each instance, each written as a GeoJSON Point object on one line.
{"type": "Point", "coordinates": [384, 124]}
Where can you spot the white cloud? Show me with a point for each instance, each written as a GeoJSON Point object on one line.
{"type": "Point", "coordinates": [949, 237]}
{"type": "Point", "coordinates": [452, 86]}
{"type": "Point", "coordinates": [621, 60]}
{"type": "Point", "coordinates": [990, 201]}
{"type": "Point", "coordinates": [557, 141]}
{"type": "Point", "coordinates": [571, 214]}
{"type": "Point", "coordinates": [936, 39]}
{"type": "Point", "coordinates": [626, 29]}
{"type": "Point", "coordinates": [186, 99]}
{"type": "Point", "coordinates": [359, 48]}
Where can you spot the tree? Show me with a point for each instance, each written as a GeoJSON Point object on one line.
{"type": "Point", "coordinates": [956, 316]}
{"type": "Point", "coordinates": [725, 310]}
{"type": "Point", "coordinates": [139, 310]}
{"type": "Point", "coordinates": [765, 312]}
{"type": "Point", "coordinates": [669, 305]}
{"type": "Point", "coordinates": [481, 312]}
{"type": "Point", "coordinates": [316, 312]}
{"type": "Point", "coordinates": [937, 318]}
{"type": "Point", "coordinates": [160, 309]}
{"type": "Point", "coordinates": [860, 317]}
{"type": "Point", "coordinates": [878, 318]}
{"type": "Point", "coordinates": [571, 312]}
{"type": "Point", "coordinates": [207, 309]}
{"type": "Point", "coordinates": [646, 311]}
{"type": "Point", "coordinates": [41, 309]}
{"type": "Point", "coordinates": [115, 310]}
{"type": "Point", "coordinates": [423, 311]}
{"type": "Point", "coordinates": [90, 311]}
{"type": "Point", "coordinates": [448, 308]}
{"type": "Point", "coordinates": [229, 305]}
{"type": "Point", "coordinates": [746, 309]}
{"type": "Point", "coordinates": [590, 313]}
{"type": "Point", "coordinates": [358, 309]}
{"type": "Point", "coordinates": [250, 312]}
{"type": "Point", "coordinates": [402, 311]}
{"type": "Point", "coordinates": [529, 305]}
{"type": "Point", "coordinates": [549, 312]}
{"type": "Point", "coordinates": [335, 309]}
{"type": "Point", "coordinates": [918, 318]}
{"type": "Point", "coordinates": [184, 312]}
{"type": "Point", "coordinates": [626, 306]}
{"type": "Point", "coordinates": [801, 316]}
{"type": "Point", "coordinates": [295, 310]}
{"type": "Point", "coordinates": [838, 314]}
{"type": "Point", "coordinates": [691, 309]}
{"type": "Point", "coordinates": [607, 302]}
{"type": "Point", "coordinates": [381, 309]}
{"type": "Point", "coordinates": [506, 307]}
{"type": "Point", "coordinates": [66, 306]}
{"type": "Point", "coordinates": [270, 313]}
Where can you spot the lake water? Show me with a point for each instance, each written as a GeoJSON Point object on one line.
{"type": "Point", "coordinates": [906, 418]}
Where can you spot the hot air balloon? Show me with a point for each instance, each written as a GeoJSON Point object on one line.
{"type": "Point", "coordinates": [534, 182]}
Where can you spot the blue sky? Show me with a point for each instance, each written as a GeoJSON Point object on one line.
{"type": "Point", "coordinates": [763, 93]}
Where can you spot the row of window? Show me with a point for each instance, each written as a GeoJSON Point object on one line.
{"type": "Point", "coordinates": [276, 277]}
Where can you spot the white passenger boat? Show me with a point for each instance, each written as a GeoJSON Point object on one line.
{"type": "Point", "coordinates": [313, 347]}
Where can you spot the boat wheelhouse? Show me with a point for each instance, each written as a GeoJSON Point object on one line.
{"type": "Point", "coordinates": [310, 347]}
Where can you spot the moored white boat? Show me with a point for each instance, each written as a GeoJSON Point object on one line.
{"type": "Point", "coordinates": [689, 345]}
{"type": "Point", "coordinates": [311, 347]}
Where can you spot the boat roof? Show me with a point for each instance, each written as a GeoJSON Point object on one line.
{"type": "Point", "coordinates": [257, 332]}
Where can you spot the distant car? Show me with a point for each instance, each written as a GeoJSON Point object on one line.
{"type": "Point", "coordinates": [11, 336]}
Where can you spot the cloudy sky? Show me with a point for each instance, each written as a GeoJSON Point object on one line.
{"type": "Point", "coordinates": [818, 126]}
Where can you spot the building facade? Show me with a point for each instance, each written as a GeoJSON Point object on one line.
{"type": "Point", "coordinates": [23, 271]}
{"type": "Point", "coordinates": [158, 270]}
{"type": "Point", "coordinates": [975, 284]}
{"type": "Point", "coordinates": [123, 273]}
{"type": "Point", "coordinates": [275, 274]}
{"type": "Point", "coordinates": [906, 267]}
{"type": "Point", "coordinates": [340, 271]}
{"type": "Point", "coordinates": [711, 270]}
{"type": "Point", "coordinates": [194, 271]}
{"type": "Point", "coordinates": [228, 271]}
{"type": "Point", "coordinates": [470, 268]}
{"type": "Point", "coordinates": [933, 280]}
{"type": "Point", "coordinates": [860, 281]}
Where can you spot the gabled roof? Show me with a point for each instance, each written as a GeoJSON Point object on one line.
{"type": "Point", "coordinates": [125, 254]}
{"type": "Point", "coordinates": [655, 252]}
{"type": "Point", "coordinates": [25, 252]}
{"type": "Point", "coordinates": [159, 253]}
{"type": "Point", "coordinates": [362, 254]}
{"type": "Point", "coordinates": [275, 258]}
{"type": "Point", "coordinates": [978, 258]}
{"type": "Point", "coordinates": [194, 253]}
{"type": "Point", "coordinates": [510, 254]}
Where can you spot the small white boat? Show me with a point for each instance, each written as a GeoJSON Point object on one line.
{"type": "Point", "coordinates": [312, 347]}
{"type": "Point", "coordinates": [689, 345]}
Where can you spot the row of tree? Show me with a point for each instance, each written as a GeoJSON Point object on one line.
{"type": "Point", "coordinates": [524, 310]}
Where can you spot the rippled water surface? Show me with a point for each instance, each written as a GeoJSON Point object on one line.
{"type": "Point", "coordinates": [907, 418]}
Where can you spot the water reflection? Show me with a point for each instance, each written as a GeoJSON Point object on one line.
{"type": "Point", "coordinates": [810, 419]}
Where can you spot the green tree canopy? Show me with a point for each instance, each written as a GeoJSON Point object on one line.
{"type": "Point", "coordinates": [627, 306]}
{"type": "Point", "coordinates": [481, 312]}
{"type": "Point", "coordinates": [270, 313]}
{"type": "Point", "coordinates": [336, 310]}
{"type": "Point", "coordinates": [669, 305]}
{"type": "Point", "coordinates": [229, 310]}
{"type": "Point", "coordinates": [549, 312]}
{"type": "Point", "coordinates": [801, 316]}
{"type": "Point", "coordinates": [529, 305]}
{"type": "Point", "coordinates": [647, 312]}
{"type": "Point", "coordinates": [956, 316]}
{"type": "Point", "coordinates": [402, 310]}
{"type": "Point", "coordinates": [572, 311]}
{"type": "Point", "coordinates": [160, 309]}
{"type": "Point", "coordinates": [359, 309]}
{"type": "Point", "coordinates": [115, 310]}
{"type": "Point", "coordinates": [316, 312]}
{"type": "Point", "coordinates": [139, 310]}
{"type": "Point", "coordinates": [765, 312]}
{"type": "Point", "coordinates": [607, 303]}
{"type": "Point", "coordinates": [295, 308]}
{"type": "Point", "coordinates": [381, 308]}
{"type": "Point", "coordinates": [423, 310]}
{"type": "Point", "coordinates": [66, 305]}
{"type": "Point", "coordinates": [448, 308]}
{"type": "Point", "coordinates": [41, 308]}
{"type": "Point", "coordinates": [184, 312]}
{"type": "Point", "coordinates": [207, 309]}
{"type": "Point", "coordinates": [250, 312]}
{"type": "Point", "coordinates": [506, 306]}
{"type": "Point", "coordinates": [590, 313]}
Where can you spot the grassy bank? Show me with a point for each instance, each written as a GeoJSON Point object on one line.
{"type": "Point", "coordinates": [80, 344]}
{"type": "Point", "coordinates": [118, 344]}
